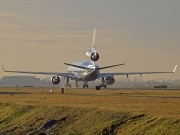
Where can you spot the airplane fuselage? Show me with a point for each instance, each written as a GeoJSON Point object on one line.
{"type": "Point", "coordinates": [89, 74]}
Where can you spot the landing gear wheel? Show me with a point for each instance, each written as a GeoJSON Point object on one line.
{"type": "Point", "coordinates": [103, 86]}
{"type": "Point", "coordinates": [85, 86]}
{"type": "Point", "coordinates": [67, 86]}
{"type": "Point", "coordinates": [76, 85]}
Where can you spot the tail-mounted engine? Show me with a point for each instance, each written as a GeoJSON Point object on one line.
{"type": "Point", "coordinates": [55, 80]}
{"type": "Point", "coordinates": [94, 56]}
{"type": "Point", "coordinates": [110, 80]}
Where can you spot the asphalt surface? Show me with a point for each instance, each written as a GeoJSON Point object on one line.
{"type": "Point", "coordinates": [13, 93]}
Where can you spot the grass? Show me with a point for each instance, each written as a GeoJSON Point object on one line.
{"type": "Point", "coordinates": [90, 111]}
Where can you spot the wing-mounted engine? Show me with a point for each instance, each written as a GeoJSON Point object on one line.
{"type": "Point", "coordinates": [94, 56]}
{"type": "Point", "coordinates": [55, 80]}
{"type": "Point", "coordinates": [110, 80]}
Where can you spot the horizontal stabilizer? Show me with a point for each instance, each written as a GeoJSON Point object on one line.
{"type": "Point", "coordinates": [77, 66]}
{"type": "Point", "coordinates": [111, 66]}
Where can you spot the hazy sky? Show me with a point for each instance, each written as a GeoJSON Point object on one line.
{"type": "Point", "coordinates": [40, 35]}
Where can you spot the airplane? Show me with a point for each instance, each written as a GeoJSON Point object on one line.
{"type": "Point", "coordinates": [87, 71]}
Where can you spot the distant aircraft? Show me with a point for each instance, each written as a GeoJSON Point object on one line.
{"type": "Point", "coordinates": [87, 71]}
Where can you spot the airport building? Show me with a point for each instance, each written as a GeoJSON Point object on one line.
{"type": "Point", "coordinates": [19, 81]}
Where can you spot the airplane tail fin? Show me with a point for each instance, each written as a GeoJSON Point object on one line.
{"type": "Point", "coordinates": [92, 53]}
{"type": "Point", "coordinates": [94, 42]}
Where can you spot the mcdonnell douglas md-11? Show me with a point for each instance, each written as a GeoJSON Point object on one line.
{"type": "Point", "coordinates": [87, 71]}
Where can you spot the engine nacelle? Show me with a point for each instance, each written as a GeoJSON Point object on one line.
{"type": "Point", "coordinates": [55, 80]}
{"type": "Point", "coordinates": [110, 80]}
{"type": "Point", "coordinates": [92, 55]}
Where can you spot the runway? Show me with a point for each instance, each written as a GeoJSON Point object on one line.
{"type": "Point", "coordinates": [14, 93]}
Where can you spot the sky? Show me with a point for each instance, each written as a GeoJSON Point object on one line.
{"type": "Point", "coordinates": [40, 35]}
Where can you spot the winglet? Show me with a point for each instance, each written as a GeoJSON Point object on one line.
{"type": "Point", "coordinates": [174, 69]}
{"type": "Point", "coordinates": [3, 68]}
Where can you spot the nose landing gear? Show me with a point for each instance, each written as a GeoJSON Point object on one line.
{"type": "Point", "coordinates": [85, 85]}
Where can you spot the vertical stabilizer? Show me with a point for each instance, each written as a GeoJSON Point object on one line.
{"type": "Point", "coordinates": [92, 53]}
{"type": "Point", "coordinates": [94, 38]}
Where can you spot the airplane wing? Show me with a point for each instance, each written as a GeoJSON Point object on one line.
{"type": "Point", "coordinates": [69, 75]}
{"type": "Point", "coordinates": [101, 75]}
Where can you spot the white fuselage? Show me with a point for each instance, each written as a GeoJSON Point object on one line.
{"type": "Point", "coordinates": [89, 74]}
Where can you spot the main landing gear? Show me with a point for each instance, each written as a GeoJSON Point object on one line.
{"type": "Point", "coordinates": [67, 85]}
{"type": "Point", "coordinates": [76, 85]}
{"type": "Point", "coordinates": [103, 85]}
{"type": "Point", "coordinates": [85, 85]}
